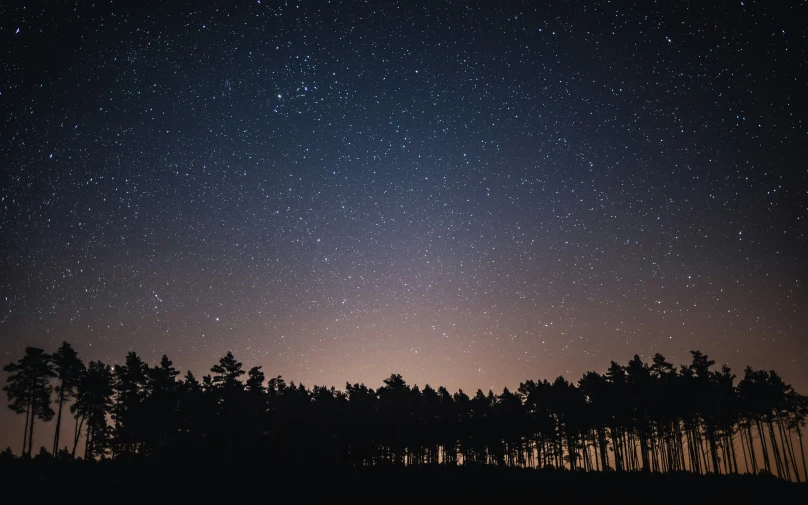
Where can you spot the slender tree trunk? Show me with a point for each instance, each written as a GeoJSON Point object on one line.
{"type": "Point", "coordinates": [713, 450]}
{"type": "Point", "coordinates": [595, 442]}
{"type": "Point", "coordinates": [732, 450]}
{"type": "Point", "coordinates": [31, 430]}
{"type": "Point", "coordinates": [58, 419]}
{"type": "Point", "coordinates": [751, 441]}
{"type": "Point", "coordinates": [678, 446]}
{"type": "Point", "coordinates": [788, 457]}
{"type": "Point", "coordinates": [725, 453]}
{"type": "Point", "coordinates": [743, 448]}
{"type": "Point", "coordinates": [681, 443]}
{"type": "Point", "coordinates": [664, 453]}
{"type": "Point", "coordinates": [793, 454]}
{"type": "Point", "coordinates": [775, 449]}
{"type": "Point", "coordinates": [728, 454]}
{"type": "Point", "coordinates": [628, 442]}
{"type": "Point", "coordinates": [87, 443]}
{"type": "Point", "coordinates": [703, 447]}
{"type": "Point", "coordinates": [674, 452]}
{"type": "Point", "coordinates": [785, 436]}
{"type": "Point", "coordinates": [25, 428]}
{"type": "Point", "coordinates": [77, 435]}
{"type": "Point", "coordinates": [657, 452]}
{"type": "Point", "coordinates": [539, 451]}
{"type": "Point", "coordinates": [802, 452]}
{"type": "Point", "coordinates": [604, 453]}
{"type": "Point", "coordinates": [618, 460]}
{"type": "Point", "coordinates": [782, 455]}
{"type": "Point", "coordinates": [762, 437]}
{"type": "Point", "coordinates": [667, 448]}
{"type": "Point", "coordinates": [646, 463]}
{"type": "Point", "coordinates": [625, 458]}
{"type": "Point", "coordinates": [693, 449]}
{"type": "Point", "coordinates": [689, 451]}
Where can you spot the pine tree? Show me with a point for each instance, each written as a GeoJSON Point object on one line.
{"type": "Point", "coordinates": [131, 381]}
{"type": "Point", "coordinates": [29, 390]}
{"type": "Point", "coordinates": [93, 404]}
{"type": "Point", "coordinates": [68, 368]}
{"type": "Point", "coordinates": [161, 403]}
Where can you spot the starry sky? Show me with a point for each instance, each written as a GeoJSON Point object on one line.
{"type": "Point", "coordinates": [469, 193]}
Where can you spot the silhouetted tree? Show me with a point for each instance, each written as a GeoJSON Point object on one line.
{"type": "Point", "coordinates": [225, 382]}
{"type": "Point", "coordinates": [195, 412]}
{"type": "Point", "coordinates": [363, 431]}
{"type": "Point", "coordinates": [161, 402]}
{"type": "Point", "coordinates": [6, 455]}
{"type": "Point", "coordinates": [395, 416]}
{"type": "Point", "coordinates": [595, 390]}
{"type": "Point", "coordinates": [93, 404]}
{"type": "Point", "coordinates": [29, 390]}
{"type": "Point", "coordinates": [68, 368]}
{"type": "Point", "coordinates": [129, 414]}
{"type": "Point", "coordinates": [257, 401]}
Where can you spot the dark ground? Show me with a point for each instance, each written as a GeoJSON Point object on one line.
{"type": "Point", "coordinates": [39, 481]}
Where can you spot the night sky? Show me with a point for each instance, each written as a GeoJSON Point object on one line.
{"type": "Point", "coordinates": [471, 194]}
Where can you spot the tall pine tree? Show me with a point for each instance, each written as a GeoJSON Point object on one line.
{"type": "Point", "coordinates": [29, 390]}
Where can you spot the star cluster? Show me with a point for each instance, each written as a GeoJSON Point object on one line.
{"type": "Point", "coordinates": [468, 193]}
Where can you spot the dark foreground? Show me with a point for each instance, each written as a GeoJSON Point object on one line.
{"type": "Point", "coordinates": [140, 481]}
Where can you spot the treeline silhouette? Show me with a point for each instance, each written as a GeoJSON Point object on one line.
{"type": "Point", "coordinates": [638, 417]}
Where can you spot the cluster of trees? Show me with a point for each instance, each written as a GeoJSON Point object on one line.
{"type": "Point", "coordinates": [637, 417]}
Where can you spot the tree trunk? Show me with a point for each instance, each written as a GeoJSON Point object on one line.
{"type": "Point", "coordinates": [703, 448]}
{"type": "Point", "coordinates": [587, 461]}
{"type": "Point", "coordinates": [750, 441]}
{"type": "Point", "coordinates": [681, 439]}
{"type": "Point", "coordinates": [595, 448]}
{"type": "Point", "coordinates": [31, 429]}
{"type": "Point", "coordinates": [646, 464]}
{"type": "Point", "coordinates": [762, 437]}
{"type": "Point", "coordinates": [775, 450]}
{"type": "Point", "coordinates": [58, 419]}
{"type": "Point", "coordinates": [692, 451]}
{"type": "Point", "coordinates": [615, 449]}
{"type": "Point", "coordinates": [732, 451]}
{"type": "Point", "coordinates": [693, 445]}
{"type": "Point", "coordinates": [87, 443]}
{"type": "Point", "coordinates": [782, 453]}
{"type": "Point", "coordinates": [793, 455]}
{"type": "Point", "coordinates": [785, 436]}
{"type": "Point", "coordinates": [802, 452]}
{"type": "Point", "coordinates": [25, 429]}
{"type": "Point", "coordinates": [743, 448]}
{"type": "Point", "coordinates": [604, 454]}
{"type": "Point", "coordinates": [713, 451]}
{"type": "Point", "coordinates": [77, 435]}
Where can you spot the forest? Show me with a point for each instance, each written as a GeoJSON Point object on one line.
{"type": "Point", "coordinates": [641, 418]}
